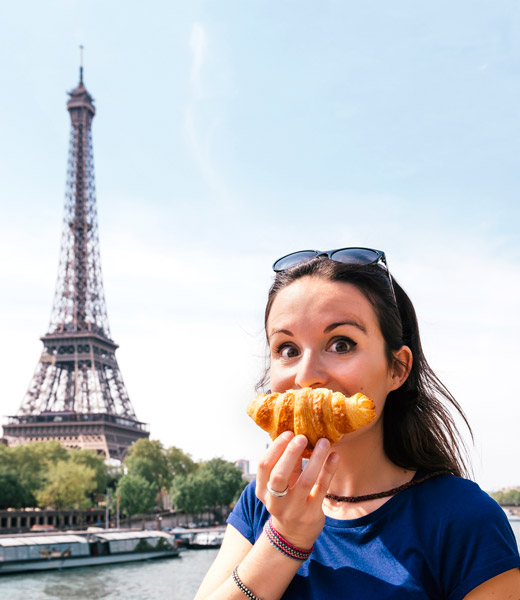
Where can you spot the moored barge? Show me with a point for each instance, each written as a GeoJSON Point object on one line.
{"type": "Point", "coordinates": [22, 553]}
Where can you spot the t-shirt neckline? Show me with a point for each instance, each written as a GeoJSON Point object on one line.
{"type": "Point", "coordinates": [372, 516]}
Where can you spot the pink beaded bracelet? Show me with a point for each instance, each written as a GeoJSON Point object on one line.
{"type": "Point", "coordinates": [282, 545]}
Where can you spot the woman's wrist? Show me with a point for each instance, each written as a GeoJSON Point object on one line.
{"type": "Point", "coordinates": [283, 545]}
{"type": "Point", "coordinates": [302, 536]}
{"type": "Point", "coordinates": [242, 587]}
{"type": "Point", "coordinates": [264, 571]}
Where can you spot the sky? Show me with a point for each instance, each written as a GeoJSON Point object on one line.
{"type": "Point", "coordinates": [230, 133]}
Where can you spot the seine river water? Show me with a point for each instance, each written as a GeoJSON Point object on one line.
{"type": "Point", "coordinates": [169, 579]}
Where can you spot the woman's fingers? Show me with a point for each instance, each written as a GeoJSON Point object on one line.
{"type": "Point", "coordinates": [290, 463]}
{"type": "Point", "coordinates": [314, 469]}
{"type": "Point", "coordinates": [282, 463]}
{"type": "Point", "coordinates": [325, 477]}
{"type": "Point", "coordinates": [272, 456]}
{"type": "Point", "coordinates": [296, 472]}
{"type": "Point", "coordinates": [292, 496]}
{"type": "Point", "coordinates": [281, 468]}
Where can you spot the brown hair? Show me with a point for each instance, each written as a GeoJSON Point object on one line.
{"type": "Point", "coordinates": [419, 431]}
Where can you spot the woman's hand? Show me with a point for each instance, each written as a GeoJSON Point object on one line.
{"type": "Point", "coordinates": [298, 516]}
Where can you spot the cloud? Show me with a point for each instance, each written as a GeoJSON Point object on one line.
{"type": "Point", "coordinates": [200, 147]}
{"type": "Point", "coordinates": [200, 126]}
{"type": "Point", "coordinates": [199, 48]}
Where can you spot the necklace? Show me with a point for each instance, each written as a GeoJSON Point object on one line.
{"type": "Point", "coordinates": [391, 492]}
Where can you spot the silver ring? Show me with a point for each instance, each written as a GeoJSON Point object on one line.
{"type": "Point", "coordinates": [275, 493]}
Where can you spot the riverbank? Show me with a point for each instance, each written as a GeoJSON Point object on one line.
{"type": "Point", "coordinates": [33, 520]}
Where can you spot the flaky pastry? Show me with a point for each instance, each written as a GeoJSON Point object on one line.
{"type": "Point", "coordinates": [316, 413]}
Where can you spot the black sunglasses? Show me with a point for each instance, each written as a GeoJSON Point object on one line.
{"type": "Point", "coordinates": [348, 256]}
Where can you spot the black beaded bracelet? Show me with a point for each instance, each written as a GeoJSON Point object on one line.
{"type": "Point", "coordinates": [242, 587]}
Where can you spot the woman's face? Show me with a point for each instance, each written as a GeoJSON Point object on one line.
{"type": "Point", "coordinates": [325, 334]}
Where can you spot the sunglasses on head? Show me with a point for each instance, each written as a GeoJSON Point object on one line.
{"type": "Point", "coordinates": [348, 256]}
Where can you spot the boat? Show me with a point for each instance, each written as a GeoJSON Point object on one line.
{"type": "Point", "coordinates": [22, 553]}
{"type": "Point", "coordinates": [206, 539]}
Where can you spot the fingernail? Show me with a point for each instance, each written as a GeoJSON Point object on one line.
{"type": "Point", "coordinates": [323, 443]}
{"type": "Point", "coordinates": [287, 435]}
{"type": "Point", "coordinates": [300, 440]}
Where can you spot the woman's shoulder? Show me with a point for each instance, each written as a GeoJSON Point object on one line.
{"type": "Point", "coordinates": [249, 514]}
{"type": "Point", "coordinates": [451, 486]}
{"type": "Point", "coordinates": [473, 535]}
{"type": "Point", "coordinates": [457, 498]}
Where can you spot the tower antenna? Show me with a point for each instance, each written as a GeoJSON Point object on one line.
{"type": "Point", "coordinates": [81, 64]}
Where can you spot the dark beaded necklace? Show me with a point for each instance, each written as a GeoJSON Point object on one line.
{"type": "Point", "coordinates": [388, 493]}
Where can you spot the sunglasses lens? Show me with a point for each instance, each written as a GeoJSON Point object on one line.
{"type": "Point", "coordinates": [355, 256]}
{"type": "Point", "coordinates": [348, 256]}
{"type": "Point", "coordinates": [287, 262]}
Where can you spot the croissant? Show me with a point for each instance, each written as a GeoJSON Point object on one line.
{"type": "Point", "coordinates": [316, 413]}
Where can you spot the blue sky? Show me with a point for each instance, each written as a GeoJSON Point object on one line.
{"type": "Point", "coordinates": [230, 133]}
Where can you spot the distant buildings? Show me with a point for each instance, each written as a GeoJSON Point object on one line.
{"type": "Point", "coordinates": [243, 465]}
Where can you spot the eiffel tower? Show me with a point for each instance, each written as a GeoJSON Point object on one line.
{"type": "Point", "coordinates": [77, 394]}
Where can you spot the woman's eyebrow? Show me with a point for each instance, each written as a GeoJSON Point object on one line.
{"type": "Point", "coordinates": [353, 323]}
{"type": "Point", "coordinates": [286, 331]}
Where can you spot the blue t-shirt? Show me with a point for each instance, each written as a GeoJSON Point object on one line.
{"type": "Point", "coordinates": [439, 539]}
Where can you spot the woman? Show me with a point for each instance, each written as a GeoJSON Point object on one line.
{"type": "Point", "coordinates": [385, 512]}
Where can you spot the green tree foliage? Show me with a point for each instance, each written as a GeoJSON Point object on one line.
{"type": "Point", "coordinates": [192, 493]}
{"type": "Point", "coordinates": [215, 483]}
{"type": "Point", "coordinates": [179, 462]}
{"type": "Point", "coordinates": [7, 458]}
{"type": "Point", "coordinates": [91, 459]}
{"type": "Point", "coordinates": [147, 458]}
{"type": "Point", "coordinates": [12, 493]}
{"type": "Point", "coordinates": [136, 493]}
{"type": "Point", "coordinates": [32, 467]}
{"type": "Point", "coordinates": [47, 474]}
{"type": "Point", "coordinates": [29, 463]}
{"type": "Point", "coordinates": [228, 478]}
{"type": "Point", "coordinates": [507, 497]}
{"type": "Point", "coordinates": [67, 486]}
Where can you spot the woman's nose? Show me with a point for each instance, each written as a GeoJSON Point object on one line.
{"type": "Point", "coordinates": [310, 371]}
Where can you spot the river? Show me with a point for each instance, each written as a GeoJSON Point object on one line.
{"type": "Point", "coordinates": [169, 579]}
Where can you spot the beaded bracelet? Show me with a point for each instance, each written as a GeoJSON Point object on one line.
{"type": "Point", "coordinates": [242, 587]}
{"type": "Point", "coordinates": [282, 545]}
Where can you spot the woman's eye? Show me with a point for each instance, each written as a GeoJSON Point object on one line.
{"type": "Point", "coordinates": [286, 351]}
{"type": "Point", "coordinates": [341, 346]}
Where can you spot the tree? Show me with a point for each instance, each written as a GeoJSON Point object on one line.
{"type": "Point", "coordinates": [179, 463]}
{"type": "Point", "coordinates": [7, 458]}
{"type": "Point", "coordinates": [136, 493]}
{"type": "Point", "coordinates": [215, 483]}
{"type": "Point", "coordinates": [31, 468]}
{"type": "Point", "coordinates": [91, 459]}
{"type": "Point", "coordinates": [192, 493]}
{"type": "Point", "coordinates": [228, 479]}
{"type": "Point", "coordinates": [147, 458]}
{"type": "Point", "coordinates": [12, 493]}
{"type": "Point", "coordinates": [31, 462]}
{"type": "Point", "coordinates": [511, 496]}
{"type": "Point", "coordinates": [66, 486]}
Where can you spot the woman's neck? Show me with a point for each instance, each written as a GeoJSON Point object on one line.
{"type": "Point", "coordinates": [364, 469]}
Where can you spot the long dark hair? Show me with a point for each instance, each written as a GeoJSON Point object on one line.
{"type": "Point", "coordinates": [419, 431]}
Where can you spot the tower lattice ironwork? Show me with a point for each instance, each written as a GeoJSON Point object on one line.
{"type": "Point", "coordinates": [77, 394]}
